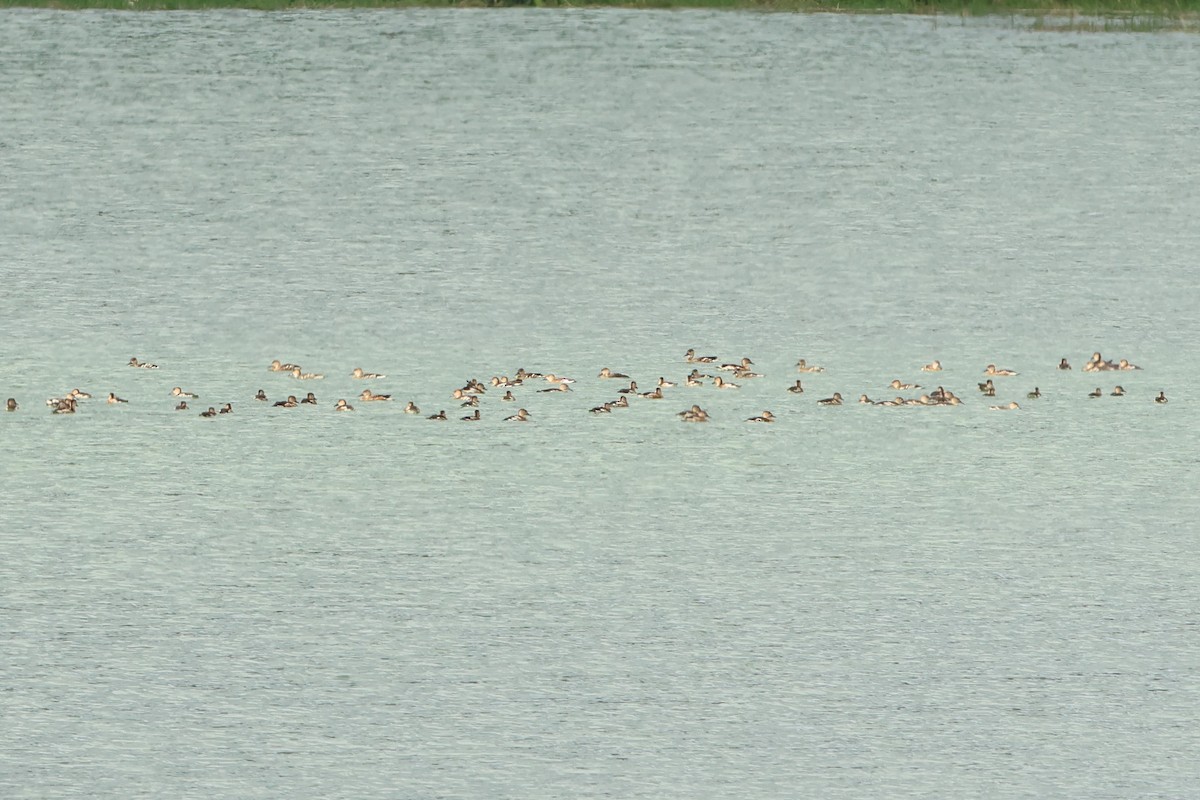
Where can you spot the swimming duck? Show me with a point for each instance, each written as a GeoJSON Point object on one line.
{"type": "Point", "coordinates": [694, 414]}
{"type": "Point", "coordinates": [1035, 394]}
{"type": "Point", "coordinates": [796, 388]}
{"type": "Point", "coordinates": [991, 370]}
{"type": "Point", "coordinates": [1162, 397]}
{"type": "Point", "coordinates": [836, 400]}
{"type": "Point", "coordinates": [226, 409]}
{"type": "Point", "coordinates": [933, 366]}
{"type": "Point", "coordinates": [896, 384]}
{"type": "Point", "coordinates": [988, 388]}
{"type": "Point", "coordinates": [743, 364]}
{"type": "Point", "coordinates": [802, 366]}
{"type": "Point", "coordinates": [1118, 391]}
{"type": "Point", "coordinates": [721, 383]}
{"type": "Point", "coordinates": [630, 389]}
{"type": "Point", "coordinates": [64, 406]}
{"type": "Point", "coordinates": [411, 408]}
{"type": "Point", "coordinates": [212, 412]}
{"type": "Point", "coordinates": [552, 378]}
{"type": "Point", "coordinates": [746, 374]}
{"type": "Point", "coordinates": [508, 397]}
{"type": "Point", "coordinates": [862, 398]}
{"type": "Point", "coordinates": [291, 402]}
{"type": "Point", "coordinates": [691, 358]}
{"type": "Point", "coordinates": [342, 405]}
{"type": "Point", "coordinates": [112, 398]}
{"type": "Point", "coordinates": [11, 404]}
{"type": "Point", "coordinates": [440, 416]}
{"type": "Point", "coordinates": [692, 382]}
{"type": "Point", "coordinates": [358, 373]}
{"type": "Point", "coordinates": [183, 406]}
{"type": "Point", "coordinates": [899, 401]}
{"type": "Point", "coordinates": [1125, 365]}
{"type": "Point", "coordinates": [1064, 364]}
{"type": "Point", "coordinates": [472, 418]}
{"type": "Point", "coordinates": [608, 373]}
{"type": "Point", "coordinates": [367, 396]}
{"type": "Point", "coordinates": [261, 396]}
{"type": "Point", "coordinates": [604, 408]}
{"type": "Point", "coordinates": [278, 367]}
{"type": "Point", "coordinates": [765, 416]}
{"type": "Point", "coordinates": [177, 392]}
{"type": "Point", "coordinates": [309, 399]}
{"type": "Point", "coordinates": [663, 383]}
{"type": "Point", "coordinates": [621, 402]}
{"type": "Point", "coordinates": [1096, 393]}
{"type": "Point", "coordinates": [939, 394]}
{"type": "Point", "coordinates": [305, 376]}
{"type": "Point", "coordinates": [522, 374]}
{"type": "Point", "coordinates": [471, 402]}
{"type": "Point", "coordinates": [133, 362]}
{"type": "Point", "coordinates": [656, 394]}
{"type": "Point", "coordinates": [79, 394]}
{"type": "Point", "coordinates": [1006, 407]}
{"type": "Point", "coordinates": [558, 387]}
{"type": "Point", "coordinates": [521, 416]}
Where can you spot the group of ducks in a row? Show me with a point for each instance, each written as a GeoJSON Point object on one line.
{"type": "Point", "coordinates": [469, 394]}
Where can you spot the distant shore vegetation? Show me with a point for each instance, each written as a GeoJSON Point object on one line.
{"type": "Point", "coordinates": [1068, 15]}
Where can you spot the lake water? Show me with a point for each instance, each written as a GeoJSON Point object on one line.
{"type": "Point", "coordinates": [853, 602]}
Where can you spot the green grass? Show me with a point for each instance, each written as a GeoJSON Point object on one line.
{"type": "Point", "coordinates": [1073, 15]}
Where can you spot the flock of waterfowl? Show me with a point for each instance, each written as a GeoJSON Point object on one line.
{"type": "Point", "coordinates": [705, 372]}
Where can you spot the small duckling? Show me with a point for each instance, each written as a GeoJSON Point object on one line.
{"type": "Point", "coordinates": [836, 400]}
{"type": "Point", "coordinates": [342, 405]}
{"type": "Point", "coordinates": [765, 416]}
{"type": "Point", "coordinates": [113, 399]}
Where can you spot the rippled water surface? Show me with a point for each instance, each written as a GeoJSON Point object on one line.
{"type": "Point", "coordinates": [853, 602]}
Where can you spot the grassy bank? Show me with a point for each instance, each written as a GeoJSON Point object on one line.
{"type": "Point", "coordinates": [1146, 15]}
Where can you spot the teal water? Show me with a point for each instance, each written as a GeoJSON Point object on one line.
{"type": "Point", "coordinates": [853, 602]}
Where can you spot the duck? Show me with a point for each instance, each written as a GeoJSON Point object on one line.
{"type": "Point", "coordinates": [440, 416]}
{"type": "Point", "coordinates": [988, 388]}
{"type": "Point", "coordinates": [508, 397]}
{"type": "Point", "coordinates": [64, 406]}
{"type": "Point", "coordinates": [802, 366]}
{"type": "Point", "coordinates": [261, 396]}
{"type": "Point", "coordinates": [940, 393]}
{"type": "Point", "coordinates": [557, 379]}
{"type": "Point", "coordinates": [11, 404]}
{"type": "Point", "coordinates": [182, 406]}
{"type": "Point", "coordinates": [765, 416]}
{"type": "Point", "coordinates": [1096, 393]}
{"type": "Point", "coordinates": [693, 414]}
{"type": "Point", "coordinates": [608, 373]}
{"type": "Point", "coordinates": [1118, 391]}
{"type": "Point", "coordinates": [226, 409]}
{"type": "Point", "coordinates": [79, 394]}
{"type": "Point", "coordinates": [862, 398]}
{"type": "Point", "coordinates": [932, 366]}
{"type": "Point", "coordinates": [278, 367]}
{"type": "Point", "coordinates": [112, 398]}
{"type": "Point", "coordinates": [743, 364]}
{"type": "Point", "coordinates": [991, 370]}
{"type": "Point", "coordinates": [899, 401]}
{"type": "Point", "coordinates": [603, 408]}
{"type": "Point", "coordinates": [309, 399]}
{"type": "Point", "coordinates": [836, 400]}
{"type": "Point", "coordinates": [472, 418]}
{"type": "Point", "coordinates": [656, 394]}
{"type": "Point", "coordinates": [212, 412]}
{"type": "Point", "coordinates": [796, 388]}
{"type": "Point", "coordinates": [470, 402]}
{"type": "Point", "coordinates": [663, 383]}
{"type": "Point", "coordinates": [558, 387]}
{"type": "Point", "coordinates": [291, 402]}
{"type": "Point", "coordinates": [1162, 397]}
{"type": "Point", "coordinates": [692, 382]}
{"type": "Point", "coordinates": [745, 374]}
{"type": "Point", "coordinates": [1035, 394]}
{"type": "Point", "coordinates": [411, 408]}
{"type": "Point", "coordinates": [721, 383]}
{"type": "Point", "coordinates": [896, 384]}
{"type": "Point", "coordinates": [1097, 364]}
{"type": "Point", "coordinates": [342, 405]}
{"type": "Point", "coordinates": [305, 376]}
{"type": "Point", "coordinates": [621, 402]}
{"type": "Point", "coordinates": [691, 358]}
{"type": "Point", "coordinates": [177, 392]}
{"type": "Point", "coordinates": [133, 362]}
{"type": "Point", "coordinates": [521, 416]}
{"type": "Point", "coordinates": [523, 374]}
{"type": "Point", "coordinates": [1124, 364]}
{"type": "Point", "coordinates": [1006, 407]}
{"type": "Point", "coordinates": [368, 397]}
{"type": "Point", "coordinates": [632, 388]}
{"type": "Point", "coordinates": [1064, 364]}
{"type": "Point", "coordinates": [358, 373]}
